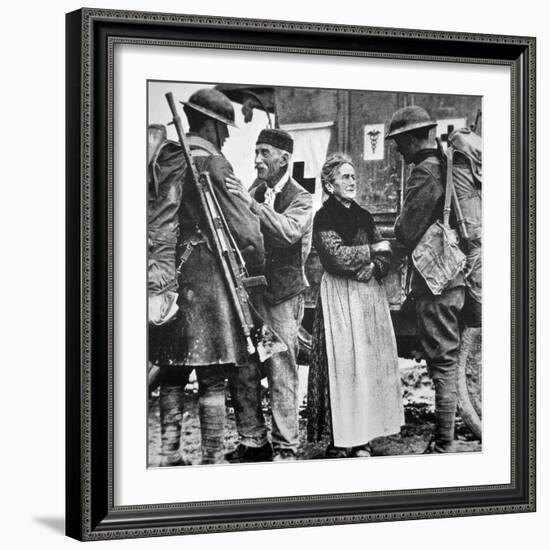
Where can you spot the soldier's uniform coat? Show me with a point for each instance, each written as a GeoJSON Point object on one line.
{"type": "Point", "coordinates": [206, 330]}
{"type": "Point", "coordinates": [438, 316]}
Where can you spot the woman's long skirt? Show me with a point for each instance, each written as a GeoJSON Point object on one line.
{"type": "Point", "coordinates": [354, 390]}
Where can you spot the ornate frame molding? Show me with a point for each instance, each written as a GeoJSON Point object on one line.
{"type": "Point", "coordinates": [91, 36]}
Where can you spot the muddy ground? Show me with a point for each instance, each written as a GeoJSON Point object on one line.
{"type": "Point", "coordinates": [418, 398]}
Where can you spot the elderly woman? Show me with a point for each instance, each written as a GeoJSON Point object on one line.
{"type": "Point", "coordinates": [354, 390]}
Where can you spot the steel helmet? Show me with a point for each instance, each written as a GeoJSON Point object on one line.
{"type": "Point", "coordinates": [408, 119]}
{"type": "Point", "coordinates": [212, 103]}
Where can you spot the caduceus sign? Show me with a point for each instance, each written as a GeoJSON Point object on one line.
{"type": "Point", "coordinates": [373, 142]}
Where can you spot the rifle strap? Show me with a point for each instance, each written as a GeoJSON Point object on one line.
{"type": "Point", "coordinates": [201, 149]}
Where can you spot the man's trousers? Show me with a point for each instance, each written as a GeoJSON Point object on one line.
{"type": "Point", "coordinates": [282, 374]}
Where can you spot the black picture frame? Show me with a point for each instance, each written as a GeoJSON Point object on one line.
{"type": "Point", "coordinates": [90, 512]}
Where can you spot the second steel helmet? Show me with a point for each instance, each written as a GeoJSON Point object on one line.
{"type": "Point", "coordinates": [212, 103]}
{"type": "Point", "coordinates": [408, 119]}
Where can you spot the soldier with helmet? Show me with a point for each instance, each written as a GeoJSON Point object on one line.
{"type": "Point", "coordinates": [438, 316]}
{"type": "Point", "coordinates": [204, 335]}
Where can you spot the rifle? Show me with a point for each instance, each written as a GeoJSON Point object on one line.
{"type": "Point", "coordinates": [447, 158]}
{"type": "Point", "coordinates": [229, 256]}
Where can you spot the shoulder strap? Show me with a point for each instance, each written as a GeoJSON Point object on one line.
{"type": "Point", "coordinates": [448, 185]}
{"type": "Point", "coordinates": [451, 197]}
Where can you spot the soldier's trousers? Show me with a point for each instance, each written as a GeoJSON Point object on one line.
{"type": "Point", "coordinates": [211, 379]}
{"type": "Point", "coordinates": [438, 327]}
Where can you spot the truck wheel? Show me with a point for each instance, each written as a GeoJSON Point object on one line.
{"type": "Point", "coordinates": [304, 341]}
{"type": "Point", "coordinates": [469, 380]}
{"type": "Point", "coordinates": [153, 376]}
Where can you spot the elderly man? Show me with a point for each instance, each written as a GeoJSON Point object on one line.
{"type": "Point", "coordinates": [438, 316]}
{"type": "Point", "coordinates": [205, 334]}
{"type": "Point", "coordinates": [284, 209]}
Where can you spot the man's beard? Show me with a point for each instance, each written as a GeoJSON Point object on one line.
{"type": "Point", "coordinates": [273, 179]}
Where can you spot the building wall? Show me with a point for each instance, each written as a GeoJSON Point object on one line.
{"type": "Point", "coordinates": [380, 180]}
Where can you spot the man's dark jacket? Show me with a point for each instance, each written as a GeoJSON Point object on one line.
{"type": "Point", "coordinates": [287, 237]}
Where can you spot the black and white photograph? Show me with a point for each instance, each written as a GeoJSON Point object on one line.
{"type": "Point", "coordinates": [277, 264]}
{"type": "Point", "coordinates": [300, 275]}
{"type": "Point", "coordinates": [314, 273]}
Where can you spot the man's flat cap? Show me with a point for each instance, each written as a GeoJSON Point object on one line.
{"type": "Point", "coordinates": [278, 138]}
